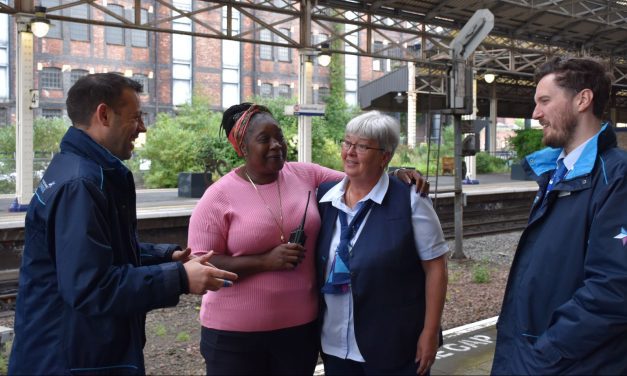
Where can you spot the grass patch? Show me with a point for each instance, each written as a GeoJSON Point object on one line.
{"type": "Point", "coordinates": [182, 337]}
{"type": "Point", "coordinates": [4, 358]}
{"type": "Point", "coordinates": [160, 330]}
{"type": "Point", "coordinates": [480, 273]}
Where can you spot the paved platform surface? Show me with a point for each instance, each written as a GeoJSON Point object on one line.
{"type": "Point", "coordinates": [467, 350]}
{"type": "Point", "coordinates": [165, 202]}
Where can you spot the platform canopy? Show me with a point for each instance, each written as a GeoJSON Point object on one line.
{"type": "Point", "coordinates": [525, 33]}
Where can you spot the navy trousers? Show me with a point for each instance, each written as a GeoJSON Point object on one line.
{"type": "Point", "coordinates": [289, 351]}
{"type": "Point", "coordinates": [336, 366]}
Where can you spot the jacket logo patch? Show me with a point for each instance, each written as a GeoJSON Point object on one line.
{"type": "Point", "coordinates": [43, 185]}
{"type": "Point", "coordinates": [622, 236]}
{"type": "Point", "coordinates": [563, 194]}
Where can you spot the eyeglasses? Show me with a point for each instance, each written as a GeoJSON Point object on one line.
{"type": "Point", "coordinates": [359, 148]}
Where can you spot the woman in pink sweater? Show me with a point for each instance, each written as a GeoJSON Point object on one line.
{"type": "Point", "coordinates": [266, 322]}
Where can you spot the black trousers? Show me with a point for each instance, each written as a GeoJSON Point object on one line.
{"type": "Point", "coordinates": [289, 351]}
{"type": "Point", "coordinates": [337, 366]}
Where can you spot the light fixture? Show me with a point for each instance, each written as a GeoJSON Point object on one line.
{"type": "Point", "coordinates": [399, 98]}
{"type": "Point", "coordinates": [324, 59]}
{"type": "Point", "coordinates": [489, 77]}
{"type": "Point", "coordinates": [39, 25]}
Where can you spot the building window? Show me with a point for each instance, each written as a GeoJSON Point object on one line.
{"type": "Point", "coordinates": [230, 61]}
{"type": "Point", "coordinates": [79, 31]}
{"type": "Point", "coordinates": [139, 38]}
{"type": "Point", "coordinates": [114, 35]}
{"type": "Point", "coordinates": [51, 112]}
{"type": "Point", "coordinates": [4, 55]}
{"type": "Point", "coordinates": [377, 63]}
{"type": "Point", "coordinates": [55, 30]}
{"type": "Point", "coordinates": [283, 53]}
{"type": "Point", "coordinates": [266, 90]}
{"type": "Point", "coordinates": [4, 116]}
{"type": "Point", "coordinates": [323, 94]}
{"type": "Point", "coordinates": [265, 51]}
{"type": "Point", "coordinates": [51, 78]}
{"type": "Point", "coordinates": [76, 74]}
{"type": "Point", "coordinates": [351, 67]}
{"type": "Point", "coordinates": [317, 39]}
{"type": "Point", "coordinates": [182, 56]}
{"type": "Point", "coordinates": [284, 91]}
{"type": "Point", "coordinates": [143, 80]}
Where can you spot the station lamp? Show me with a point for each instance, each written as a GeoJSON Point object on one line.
{"type": "Point", "coordinates": [39, 25]}
{"type": "Point", "coordinates": [324, 58]}
{"type": "Point", "coordinates": [489, 77]}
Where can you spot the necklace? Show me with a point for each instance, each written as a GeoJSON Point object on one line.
{"type": "Point", "coordinates": [278, 186]}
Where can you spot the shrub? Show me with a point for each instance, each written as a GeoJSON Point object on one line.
{"type": "Point", "coordinates": [180, 143]}
{"type": "Point", "coordinates": [480, 273]}
{"type": "Point", "coordinates": [526, 141]}
{"type": "Point", "coordinates": [487, 163]}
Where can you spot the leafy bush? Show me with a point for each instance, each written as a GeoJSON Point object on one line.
{"type": "Point", "coordinates": [480, 273]}
{"type": "Point", "coordinates": [487, 163]}
{"type": "Point", "coordinates": [47, 135]}
{"type": "Point", "coordinates": [180, 143]}
{"type": "Point", "coordinates": [526, 141]}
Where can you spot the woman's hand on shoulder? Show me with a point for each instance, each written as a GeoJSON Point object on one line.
{"type": "Point", "coordinates": [410, 176]}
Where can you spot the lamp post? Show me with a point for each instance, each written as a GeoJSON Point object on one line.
{"type": "Point", "coordinates": [27, 98]}
{"type": "Point", "coordinates": [305, 87]}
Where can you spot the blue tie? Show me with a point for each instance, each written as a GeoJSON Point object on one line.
{"type": "Point", "coordinates": [339, 278]}
{"type": "Point", "coordinates": [557, 177]}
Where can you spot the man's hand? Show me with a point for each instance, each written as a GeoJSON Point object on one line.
{"type": "Point", "coordinates": [284, 257]}
{"type": "Point", "coordinates": [182, 256]}
{"type": "Point", "coordinates": [427, 349]}
{"type": "Point", "coordinates": [202, 276]}
{"type": "Point", "coordinates": [409, 176]}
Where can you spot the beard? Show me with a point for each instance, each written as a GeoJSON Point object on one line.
{"type": "Point", "coordinates": [559, 133]}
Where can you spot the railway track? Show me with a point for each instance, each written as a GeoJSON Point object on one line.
{"type": "Point", "coordinates": [8, 288]}
{"type": "Point", "coordinates": [482, 215]}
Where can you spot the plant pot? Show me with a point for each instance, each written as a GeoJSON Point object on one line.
{"type": "Point", "coordinates": [193, 184]}
{"type": "Point", "coordinates": [519, 173]}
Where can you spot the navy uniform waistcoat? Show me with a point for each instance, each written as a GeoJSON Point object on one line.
{"type": "Point", "coordinates": [387, 280]}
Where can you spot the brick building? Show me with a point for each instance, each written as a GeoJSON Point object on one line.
{"type": "Point", "coordinates": [171, 66]}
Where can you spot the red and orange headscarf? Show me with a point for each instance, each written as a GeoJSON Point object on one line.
{"type": "Point", "coordinates": [237, 134]}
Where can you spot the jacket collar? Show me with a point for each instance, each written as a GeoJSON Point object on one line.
{"type": "Point", "coordinates": [78, 142]}
{"type": "Point", "coordinates": [545, 160]}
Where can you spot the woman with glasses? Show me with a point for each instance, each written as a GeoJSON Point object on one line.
{"type": "Point", "coordinates": [381, 262]}
{"type": "Point", "coordinates": [266, 322]}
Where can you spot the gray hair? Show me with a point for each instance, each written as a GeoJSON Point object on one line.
{"type": "Point", "coordinates": [376, 126]}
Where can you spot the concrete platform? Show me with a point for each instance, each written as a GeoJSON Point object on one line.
{"type": "Point", "coordinates": [467, 350]}
{"type": "Point", "coordinates": [159, 203]}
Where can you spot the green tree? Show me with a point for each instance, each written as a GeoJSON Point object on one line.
{"type": "Point", "coordinates": [526, 141]}
{"type": "Point", "coordinates": [47, 134]}
{"type": "Point", "coordinates": [180, 142]}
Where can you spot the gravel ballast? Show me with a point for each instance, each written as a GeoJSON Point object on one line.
{"type": "Point", "coordinates": [475, 292]}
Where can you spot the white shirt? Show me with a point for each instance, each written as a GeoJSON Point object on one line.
{"type": "Point", "coordinates": [338, 329]}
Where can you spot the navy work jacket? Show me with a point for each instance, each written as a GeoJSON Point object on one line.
{"type": "Point", "coordinates": [387, 279]}
{"type": "Point", "coordinates": [83, 292]}
{"type": "Point", "coordinates": [565, 305]}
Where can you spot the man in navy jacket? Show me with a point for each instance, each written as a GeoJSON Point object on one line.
{"type": "Point", "coordinates": [564, 310]}
{"type": "Point", "coordinates": [86, 282]}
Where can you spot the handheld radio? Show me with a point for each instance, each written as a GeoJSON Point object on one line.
{"type": "Point", "coordinates": [298, 236]}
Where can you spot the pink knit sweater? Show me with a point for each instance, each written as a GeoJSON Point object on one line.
{"type": "Point", "coordinates": [232, 219]}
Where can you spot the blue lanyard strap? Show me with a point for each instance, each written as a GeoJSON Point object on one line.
{"type": "Point", "coordinates": [338, 280]}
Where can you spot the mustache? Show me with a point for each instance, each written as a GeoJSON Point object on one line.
{"type": "Point", "coordinates": [544, 124]}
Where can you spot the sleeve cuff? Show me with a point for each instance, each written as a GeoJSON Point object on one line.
{"type": "Point", "coordinates": [183, 281]}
